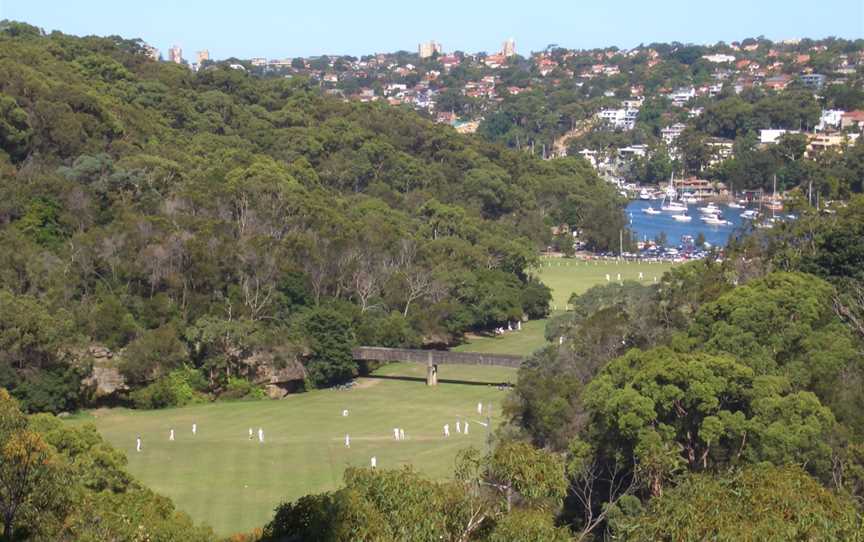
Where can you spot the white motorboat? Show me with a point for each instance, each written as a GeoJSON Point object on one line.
{"type": "Point", "coordinates": [644, 194]}
{"type": "Point", "coordinates": [682, 218]}
{"type": "Point", "coordinates": [674, 207]}
{"type": "Point", "coordinates": [734, 205]}
{"type": "Point", "coordinates": [714, 220]}
{"type": "Point", "coordinates": [710, 209]}
{"type": "Point", "coordinates": [749, 214]}
{"type": "Point", "coordinates": [690, 199]}
{"type": "Point", "coordinates": [650, 210]}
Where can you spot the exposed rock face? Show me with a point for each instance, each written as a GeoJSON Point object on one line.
{"type": "Point", "coordinates": [275, 367]}
{"type": "Point", "coordinates": [106, 381]}
{"type": "Point", "coordinates": [278, 371]}
{"type": "Point", "coordinates": [105, 378]}
{"type": "Point", "coordinates": [275, 391]}
{"type": "Point", "coordinates": [98, 352]}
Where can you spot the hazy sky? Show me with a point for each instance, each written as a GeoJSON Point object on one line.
{"type": "Point", "coordinates": [274, 29]}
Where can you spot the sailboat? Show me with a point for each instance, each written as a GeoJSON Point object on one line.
{"type": "Point", "coordinates": [775, 204]}
{"type": "Point", "coordinates": [673, 206]}
{"type": "Point", "coordinates": [734, 204]}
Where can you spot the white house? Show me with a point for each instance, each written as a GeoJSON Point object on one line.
{"type": "Point", "coordinates": [633, 150]}
{"type": "Point", "coordinates": [770, 137]}
{"type": "Point", "coordinates": [719, 58]}
{"type": "Point", "coordinates": [623, 118]}
{"type": "Point", "coordinates": [671, 133]}
{"type": "Point", "coordinates": [682, 95]}
{"type": "Point", "coordinates": [830, 118]}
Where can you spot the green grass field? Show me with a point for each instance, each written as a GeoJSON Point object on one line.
{"type": "Point", "coordinates": [565, 277]}
{"type": "Point", "coordinates": [223, 479]}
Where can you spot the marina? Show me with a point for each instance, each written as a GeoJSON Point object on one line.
{"type": "Point", "coordinates": [716, 222]}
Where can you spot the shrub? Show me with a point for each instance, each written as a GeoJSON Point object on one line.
{"type": "Point", "coordinates": [240, 388]}
{"type": "Point", "coordinates": [179, 388]}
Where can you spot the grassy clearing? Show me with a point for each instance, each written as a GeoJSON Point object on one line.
{"type": "Point", "coordinates": [223, 479]}
{"type": "Point", "coordinates": [565, 277]}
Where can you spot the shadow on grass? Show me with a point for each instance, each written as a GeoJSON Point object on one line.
{"type": "Point", "coordinates": [441, 380]}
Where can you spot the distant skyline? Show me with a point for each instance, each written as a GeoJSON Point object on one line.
{"type": "Point", "coordinates": [273, 29]}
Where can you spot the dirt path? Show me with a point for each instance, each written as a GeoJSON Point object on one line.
{"type": "Point", "coordinates": [559, 147]}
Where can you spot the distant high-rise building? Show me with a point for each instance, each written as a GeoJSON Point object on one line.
{"type": "Point", "coordinates": [509, 47]}
{"type": "Point", "coordinates": [175, 54]}
{"type": "Point", "coordinates": [201, 56]}
{"type": "Point", "coordinates": [151, 51]}
{"type": "Point", "coordinates": [429, 48]}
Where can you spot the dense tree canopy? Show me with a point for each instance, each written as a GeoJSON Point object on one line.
{"type": "Point", "coordinates": [195, 218]}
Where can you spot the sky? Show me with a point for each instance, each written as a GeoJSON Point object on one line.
{"type": "Point", "coordinates": [289, 28]}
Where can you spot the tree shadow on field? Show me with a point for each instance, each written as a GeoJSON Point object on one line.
{"type": "Point", "coordinates": [442, 380]}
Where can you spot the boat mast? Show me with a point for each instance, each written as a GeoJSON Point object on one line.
{"type": "Point", "coordinates": [774, 199]}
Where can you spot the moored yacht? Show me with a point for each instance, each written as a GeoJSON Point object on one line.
{"type": "Point", "coordinates": [714, 220]}
{"type": "Point", "coordinates": [674, 207]}
{"type": "Point", "coordinates": [709, 209]}
{"type": "Point", "coordinates": [682, 218]}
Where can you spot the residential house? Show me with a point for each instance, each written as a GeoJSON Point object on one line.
{"type": "Point", "coordinates": [495, 61]}
{"type": "Point", "coordinates": [830, 119]}
{"type": "Point", "coordinates": [701, 188]}
{"type": "Point", "coordinates": [770, 137]}
{"type": "Point", "coordinates": [449, 61]}
{"type": "Point", "coordinates": [721, 149]}
{"type": "Point", "coordinates": [777, 82]}
{"type": "Point", "coordinates": [671, 133]}
{"type": "Point", "coordinates": [445, 117]}
{"type": "Point", "coordinates": [623, 119]}
{"type": "Point", "coordinates": [852, 119]}
{"type": "Point", "coordinates": [719, 58]}
{"type": "Point", "coordinates": [682, 95]}
{"type": "Point", "coordinates": [633, 150]}
{"type": "Point", "coordinates": [813, 80]}
{"type": "Point", "coordinates": [838, 140]}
